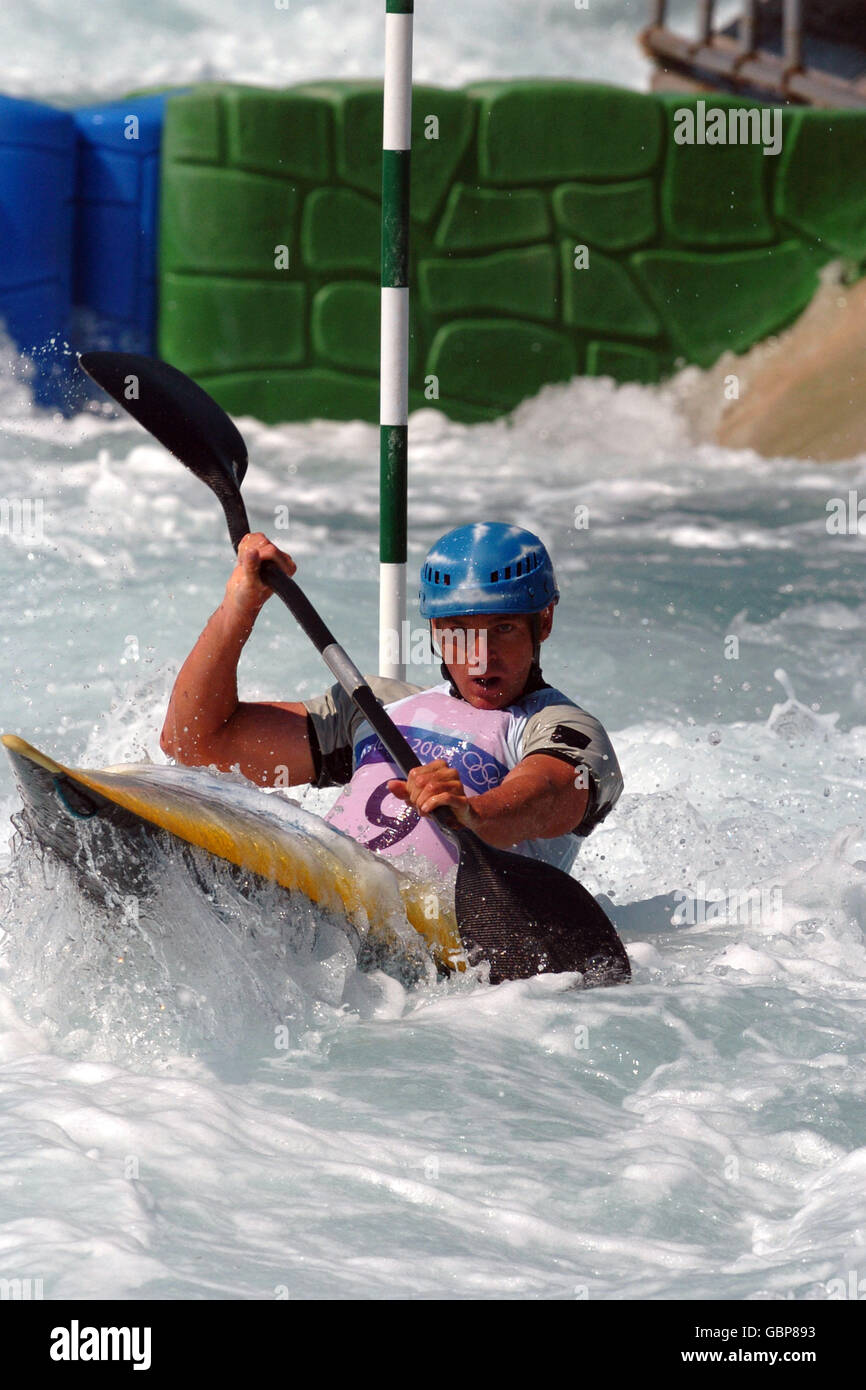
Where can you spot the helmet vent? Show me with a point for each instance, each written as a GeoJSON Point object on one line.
{"type": "Point", "coordinates": [434, 576]}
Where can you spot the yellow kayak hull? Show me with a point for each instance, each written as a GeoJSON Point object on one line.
{"type": "Point", "coordinates": [263, 833]}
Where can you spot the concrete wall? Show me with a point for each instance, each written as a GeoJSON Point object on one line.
{"type": "Point", "coordinates": [558, 228]}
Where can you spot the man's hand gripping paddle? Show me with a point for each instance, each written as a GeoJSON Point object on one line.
{"type": "Point", "coordinates": [523, 916]}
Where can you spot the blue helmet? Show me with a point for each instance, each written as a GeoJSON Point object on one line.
{"type": "Point", "coordinates": [487, 567]}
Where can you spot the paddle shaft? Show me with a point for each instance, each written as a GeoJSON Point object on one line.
{"type": "Point", "coordinates": [323, 639]}
{"type": "Point", "coordinates": [352, 681]}
{"type": "Point", "coordinates": [342, 666]}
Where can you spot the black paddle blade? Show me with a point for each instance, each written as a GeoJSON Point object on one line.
{"type": "Point", "coordinates": [529, 918]}
{"type": "Point", "coordinates": [183, 417]}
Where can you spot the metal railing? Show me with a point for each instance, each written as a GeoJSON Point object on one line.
{"type": "Point", "coordinates": [705, 20]}
{"type": "Point", "coordinates": [792, 34]}
{"type": "Point", "coordinates": [792, 24]}
{"type": "Point", "coordinates": [749, 26]}
{"type": "Point", "coordinates": [737, 55]}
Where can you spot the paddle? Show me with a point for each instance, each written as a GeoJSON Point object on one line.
{"type": "Point", "coordinates": [524, 916]}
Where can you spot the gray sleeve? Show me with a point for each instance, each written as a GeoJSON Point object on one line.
{"type": "Point", "coordinates": [332, 720]}
{"type": "Point", "coordinates": [569, 733]}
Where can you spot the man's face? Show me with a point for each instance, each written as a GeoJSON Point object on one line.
{"type": "Point", "coordinates": [489, 656]}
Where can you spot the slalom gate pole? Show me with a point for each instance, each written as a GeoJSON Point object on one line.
{"type": "Point", "coordinates": [394, 360]}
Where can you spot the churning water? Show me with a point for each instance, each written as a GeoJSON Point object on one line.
{"type": "Point", "coordinates": [218, 1103]}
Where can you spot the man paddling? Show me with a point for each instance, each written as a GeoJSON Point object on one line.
{"type": "Point", "coordinates": [515, 760]}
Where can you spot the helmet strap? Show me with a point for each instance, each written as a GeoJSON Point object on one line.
{"type": "Point", "coordinates": [535, 680]}
{"type": "Point", "coordinates": [535, 628]}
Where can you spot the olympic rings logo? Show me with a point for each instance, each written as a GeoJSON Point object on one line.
{"type": "Point", "coordinates": [480, 771]}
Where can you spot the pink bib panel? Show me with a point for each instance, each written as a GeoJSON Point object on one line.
{"type": "Point", "coordinates": [435, 725]}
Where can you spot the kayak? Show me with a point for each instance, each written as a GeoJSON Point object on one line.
{"type": "Point", "coordinates": [106, 825]}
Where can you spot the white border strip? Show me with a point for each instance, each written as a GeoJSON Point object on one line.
{"type": "Point", "coordinates": [397, 125]}
{"type": "Point", "coordinates": [392, 609]}
{"type": "Point", "coordinates": [394, 383]}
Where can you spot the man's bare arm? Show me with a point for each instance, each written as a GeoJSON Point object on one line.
{"type": "Point", "coordinates": [205, 722]}
{"type": "Point", "coordinates": [537, 800]}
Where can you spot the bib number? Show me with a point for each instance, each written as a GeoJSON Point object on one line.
{"type": "Point", "coordinates": [396, 827]}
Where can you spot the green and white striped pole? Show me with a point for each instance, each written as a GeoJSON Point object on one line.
{"type": "Point", "coordinates": [394, 360]}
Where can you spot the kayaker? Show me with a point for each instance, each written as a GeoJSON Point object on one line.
{"type": "Point", "coordinates": [515, 759]}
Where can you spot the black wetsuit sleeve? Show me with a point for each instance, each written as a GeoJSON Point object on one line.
{"type": "Point", "coordinates": [333, 769]}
